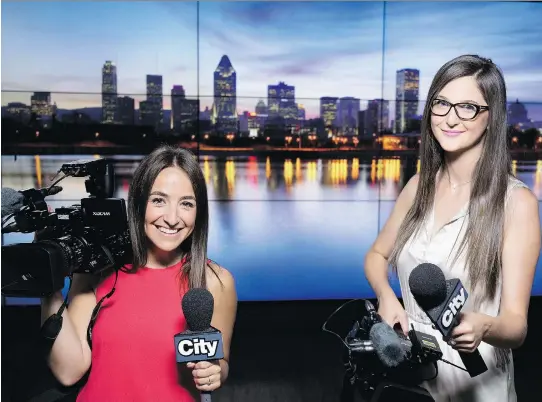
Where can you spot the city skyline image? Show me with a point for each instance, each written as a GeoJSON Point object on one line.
{"type": "Point", "coordinates": [303, 116]}
{"type": "Point", "coordinates": [321, 49]}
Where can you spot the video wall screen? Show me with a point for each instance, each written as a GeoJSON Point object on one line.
{"type": "Point", "coordinates": [305, 116]}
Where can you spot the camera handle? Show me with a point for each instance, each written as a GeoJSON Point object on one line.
{"type": "Point", "coordinates": [101, 185]}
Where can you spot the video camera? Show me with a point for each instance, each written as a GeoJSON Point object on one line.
{"type": "Point", "coordinates": [366, 375]}
{"type": "Point", "coordinates": [90, 237]}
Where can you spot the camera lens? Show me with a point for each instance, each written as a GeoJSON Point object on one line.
{"type": "Point", "coordinates": [73, 252]}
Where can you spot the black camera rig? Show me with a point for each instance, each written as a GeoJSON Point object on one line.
{"type": "Point", "coordinates": [366, 377]}
{"type": "Point", "coordinates": [89, 237]}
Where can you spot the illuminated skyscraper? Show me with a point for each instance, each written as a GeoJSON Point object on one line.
{"type": "Point", "coordinates": [328, 110]}
{"type": "Point", "coordinates": [377, 116]}
{"type": "Point", "coordinates": [18, 111]}
{"type": "Point", "coordinates": [40, 104]}
{"type": "Point", "coordinates": [177, 96]}
{"type": "Point", "coordinates": [261, 114]}
{"type": "Point", "coordinates": [261, 108]}
{"type": "Point", "coordinates": [281, 103]}
{"type": "Point", "coordinates": [224, 115]}
{"type": "Point", "coordinates": [155, 101]}
{"type": "Point", "coordinates": [301, 113]}
{"type": "Point", "coordinates": [348, 115]}
{"type": "Point", "coordinates": [184, 112]}
{"type": "Point", "coordinates": [109, 93]}
{"type": "Point", "coordinates": [126, 110]}
{"type": "Point", "coordinates": [407, 89]}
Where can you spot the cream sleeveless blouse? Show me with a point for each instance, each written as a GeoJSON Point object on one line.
{"type": "Point", "coordinates": [453, 384]}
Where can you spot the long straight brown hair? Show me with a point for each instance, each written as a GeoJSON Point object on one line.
{"type": "Point", "coordinates": [194, 248]}
{"type": "Point", "coordinates": [484, 233]}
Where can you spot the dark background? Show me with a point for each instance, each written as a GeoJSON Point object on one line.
{"type": "Point", "coordinates": [279, 353]}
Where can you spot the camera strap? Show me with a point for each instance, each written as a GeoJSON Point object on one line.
{"type": "Point", "coordinates": [97, 308]}
{"type": "Point", "coordinates": [52, 326]}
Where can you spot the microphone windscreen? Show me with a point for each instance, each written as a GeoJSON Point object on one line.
{"type": "Point", "coordinates": [387, 345]}
{"type": "Point", "coordinates": [198, 306]}
{"type": "Point", "coordinates": [428, 285]}
{"type": "Point", "coordinates": [11, 201]}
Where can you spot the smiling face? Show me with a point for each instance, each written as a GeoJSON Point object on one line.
{"type": "Point", "coordinates": [458, 130]}
{"type": "Point", "coordinates": [170, 216]}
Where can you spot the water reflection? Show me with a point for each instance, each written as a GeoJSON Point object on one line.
{"type": "Point", "coordinates": [206, 170]}
{"type": "Point", "coordinates": [299, 179]}
{"type": "Point", "coordinates": [288, 175]}
{"type": "Point", "coordinates": [252, 178]}
{"type": "Point", "coordinates": [263, 241]}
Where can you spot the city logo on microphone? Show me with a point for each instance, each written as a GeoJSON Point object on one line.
{"type": "Point", "coordinates": [454, 307]}
{"type": "Point", "coordinates": [198, 346]}
{"type": "Point", "coordinates": [188, 347]}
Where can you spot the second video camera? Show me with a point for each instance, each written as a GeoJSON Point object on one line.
{"type": "Point", "coordinates": [90, 237]}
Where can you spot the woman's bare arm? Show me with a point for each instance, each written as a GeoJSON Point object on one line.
{"type": "Point", "coordinates": [376, 260]}
{"type": "Point", "coordinates": [521, 250]}
{"type": "Point", "coordinates": [70, 355]}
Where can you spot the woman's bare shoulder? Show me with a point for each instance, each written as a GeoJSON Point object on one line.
{"type": "Point", "coordinates": [218, 276]}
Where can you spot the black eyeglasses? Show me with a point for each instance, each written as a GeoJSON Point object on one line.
{"type": "Point", "coordinates": [465, 111]}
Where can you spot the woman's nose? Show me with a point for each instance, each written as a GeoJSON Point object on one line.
{"type": "Point", "coordinates": [171, 217]}
{"type": "Point", "coordinates": [452, 119]}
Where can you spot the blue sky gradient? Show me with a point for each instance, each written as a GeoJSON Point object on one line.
{"type": "Point", "coordinates": [322, 48]}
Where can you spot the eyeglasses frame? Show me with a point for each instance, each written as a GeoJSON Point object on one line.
{"type": "Point", "coordinates": [479, 109]}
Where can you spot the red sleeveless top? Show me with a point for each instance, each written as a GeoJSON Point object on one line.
{"type": "Point", "coordinates": [133, 354]}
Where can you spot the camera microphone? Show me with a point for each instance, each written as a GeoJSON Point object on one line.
{"type": "Point", "coordinates": [392, 347]}
{"type": "Point", "coordinates": [383, 340]}
{"type": "Point", "coordinates": [442, 301]}
{"type": "Point", "coordinates": [200, 341]}
{"type": "Point", "coordinates": [387, 345]}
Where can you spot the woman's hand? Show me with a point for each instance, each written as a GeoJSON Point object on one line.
{"type": "Point", "coordinates": [469, 333]}
{"type": "Point", "coordinates": [206, 374]}
{"type": "Point", "coordinates": [392, 312]}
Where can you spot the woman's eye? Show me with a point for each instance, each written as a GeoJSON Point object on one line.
{"type": "Point", "coordinates": [157, 200]}
{"type": "Point", "coordinates": [187, 204]}
{"type": "Point", "coordinates": [468, 106]}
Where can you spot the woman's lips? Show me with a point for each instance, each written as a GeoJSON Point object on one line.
{"type": "Point", "coordinates": [452, 133]}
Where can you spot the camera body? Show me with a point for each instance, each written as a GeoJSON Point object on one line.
{"type": "Point", "coordinates": [90, 237]}
{"type": "Point", "coordinates": [375, 382]}
{"type": "Point", "coordinates": [366, 377]}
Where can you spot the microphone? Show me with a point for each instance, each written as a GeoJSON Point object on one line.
{"type": "Point", "coordinates": [394, 348]}
{"type": "Point", "coordinates": [13, 200]}
{"type": "Point", "coordinates": [442, 301]}
{"type": "Point", "coordinates": [383, 339]}
{"type": "Point", "coordinates": [200, 341]}
{"type": "Point", "coordinates": [387, 345]}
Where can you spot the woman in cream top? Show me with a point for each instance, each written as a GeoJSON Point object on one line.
{"type": "Point", "coordinates": [467, 214]}
{"type": "Point", "coordinates": [439, 246]}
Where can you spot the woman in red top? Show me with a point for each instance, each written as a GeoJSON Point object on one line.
{"type": "Point", "coordinates": [132, 357]}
